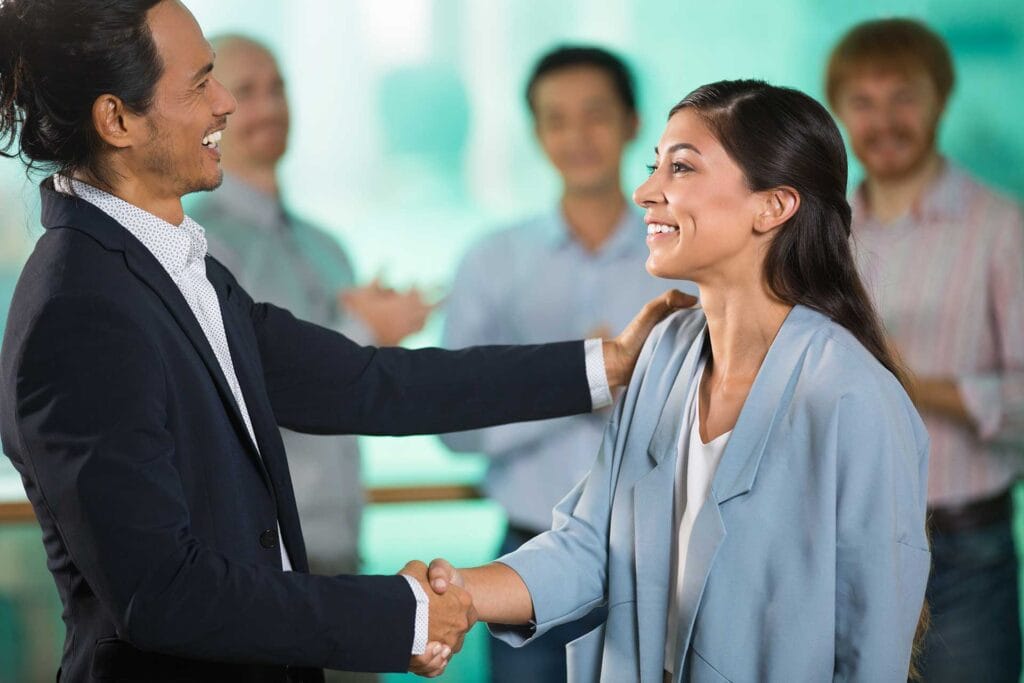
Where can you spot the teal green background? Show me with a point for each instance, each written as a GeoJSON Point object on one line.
{"type": "Point", "coordinates": [411, 139]}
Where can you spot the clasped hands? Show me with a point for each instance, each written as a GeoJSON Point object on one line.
{"type": "Point", "coordinates": [452, 614]}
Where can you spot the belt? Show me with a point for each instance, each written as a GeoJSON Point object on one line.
{"type": "Point", "coordinates": [974, 514]}
{"type": "Point", "coordinates": [523, 532]}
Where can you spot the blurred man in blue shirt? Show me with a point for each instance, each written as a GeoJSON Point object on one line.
{"type": "Point", "coordinates": [577, 269]}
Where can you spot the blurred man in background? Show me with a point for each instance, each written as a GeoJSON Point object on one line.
{"type": "Point", "coordinates": [944, 258]}
{"type": "Point", "coordinates": [280, 258]}
{"type": "Point", "coordinates": [576, 269]}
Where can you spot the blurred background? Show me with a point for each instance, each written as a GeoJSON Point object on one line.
{"type": "Point", "coordinates": [411, 138]}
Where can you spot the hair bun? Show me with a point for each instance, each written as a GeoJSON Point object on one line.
{"type": "Point", "coordinates": [12, 35]}
{"type": "Point", "coordinates": [12, 41]}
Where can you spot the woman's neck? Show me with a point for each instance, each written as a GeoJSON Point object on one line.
{"type": "Point", "coordinates": [742, 324]}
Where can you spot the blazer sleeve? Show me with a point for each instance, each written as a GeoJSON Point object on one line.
{"type": "Point", "coordinates": [882, 558]}
{"type": "Point", "coordinates": [566, 569]}
{"type": "Point", "coordinates": [320, 382]}
{"type": "Point", "coordinates": [90, 405]}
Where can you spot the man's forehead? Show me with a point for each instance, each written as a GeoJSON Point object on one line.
{"type": "Point", "coordinates": [178, 38]}
{"type": "Point", "coordinates": [885, 74]}
{"type": "Point", "coordinates": [243, 56]}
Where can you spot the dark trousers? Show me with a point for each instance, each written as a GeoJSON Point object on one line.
{"type": "Point", "coordinates": [542, 661]}
{"type": "Point", "coordinates": [975, 629]}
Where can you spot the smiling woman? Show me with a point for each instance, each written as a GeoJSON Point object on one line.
{"type": "Point", "coordinates": [756, 511]}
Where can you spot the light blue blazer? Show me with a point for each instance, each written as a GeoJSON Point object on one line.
{"type": "Point", "coordinates": [807, 563]}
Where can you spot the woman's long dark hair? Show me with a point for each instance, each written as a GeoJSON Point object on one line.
{"type": "Point", "coordinates": [782, 137]}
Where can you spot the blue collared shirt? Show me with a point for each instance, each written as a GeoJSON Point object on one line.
{"type": "Point", "coordinates": [534, 283]}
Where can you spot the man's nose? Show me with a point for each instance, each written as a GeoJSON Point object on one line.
{"type": "Point", "coordinates": [225, 102]}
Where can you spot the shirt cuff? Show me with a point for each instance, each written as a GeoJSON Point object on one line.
{"type": "Point", "coordinates": [982, 396]}
{"type": "Point", "coordinates": [597, 378]}
{"type": "Point", "coordinates": [419, 636]}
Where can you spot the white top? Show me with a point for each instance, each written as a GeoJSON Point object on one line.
{"type": "Point", "coordinates": [695, 470]}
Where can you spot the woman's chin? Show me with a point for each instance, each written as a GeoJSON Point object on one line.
{"type": "Point", "coordinates": [663, 271]}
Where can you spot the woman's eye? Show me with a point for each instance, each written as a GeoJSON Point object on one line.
{"type": "Point", "coordinates": [679, 167]}
{"type": "Point", "coordinates": [651, 168]}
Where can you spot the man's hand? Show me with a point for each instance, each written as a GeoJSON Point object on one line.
{"type": "Point", "coordinates": [390, 315]}
{"type": "Point", "coordinates": [938, 396]}
{"type": "Point", "coordinates": [451, 614]}
{"type": "Point", "coordinates": [621, 353]}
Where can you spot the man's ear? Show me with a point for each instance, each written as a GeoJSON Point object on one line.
{"type": "Point", "coordinates": [779, 204]}
{"type": "Point", "coordinates": [115, 125]}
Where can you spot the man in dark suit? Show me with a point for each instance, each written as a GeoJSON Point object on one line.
{"type": "Point", "coordinates": [141, 387]}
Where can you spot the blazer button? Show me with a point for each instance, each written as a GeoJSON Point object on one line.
{"type": "Point", "coordinates": [268, 539]}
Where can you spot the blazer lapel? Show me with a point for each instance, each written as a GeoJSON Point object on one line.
{"type": "Point", "coordinates": [59, 210]}
{"type": "Point", "coordinates": [737, 470]}
{"type": "Point", "coordinates": [653, 516]}
{"type": "Point", "coordinates": [264, 424]}
{"type": "Point", "coordinates": [148, 269]}
{"type": "Point", "coordinates": [768, 397]}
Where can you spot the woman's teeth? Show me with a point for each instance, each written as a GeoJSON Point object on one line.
{"type": "Point", "coordinates": [212, 139]}
{"type": "Point", "coordinates": [655, 228]}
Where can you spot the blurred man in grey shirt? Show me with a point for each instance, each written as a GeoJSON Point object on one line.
{"type": "Point", "coordinates": [280, 258]}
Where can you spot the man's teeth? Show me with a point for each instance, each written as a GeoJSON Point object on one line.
{"type": "Point", "coordinates": [655, 228]}
{"type": "Point", "coordinates": [212, 139]}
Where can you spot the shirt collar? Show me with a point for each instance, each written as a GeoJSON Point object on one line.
{"type": "Point", "coordinates": [627, 237]}
{"type": "Point", "coordinates": [175, 247]}
{"type": "Point", "coordinates": [256, 208]}
{"type": "Point", "coordinates": [944, 200]}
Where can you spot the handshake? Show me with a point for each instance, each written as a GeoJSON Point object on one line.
{"type": "Point", "coordinates": [452, 614]}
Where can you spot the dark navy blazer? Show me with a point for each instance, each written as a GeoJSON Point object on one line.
{"type": "Point", "coordinates": [159, 517]}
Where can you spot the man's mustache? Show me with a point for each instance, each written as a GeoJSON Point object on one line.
{"type": "Point", "coordinates": [899, 134]}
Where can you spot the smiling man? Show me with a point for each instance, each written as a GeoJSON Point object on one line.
{"type": "Point", "coordinates": [141, 388]}
{"type": "Point", "coordinates": [944, 258]}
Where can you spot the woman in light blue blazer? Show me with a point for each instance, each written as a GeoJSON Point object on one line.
{"type": "Point", "coordinates": [757, 509]}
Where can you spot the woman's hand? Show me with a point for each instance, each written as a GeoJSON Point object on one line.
{"type": "Point", "coordinates": [432, 662]}
{"type": "Point", "coordinates": [441, 573]}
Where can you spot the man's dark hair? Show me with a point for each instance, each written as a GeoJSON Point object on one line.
{"type": "Point", "coordinates": [56, 58]}
{"type": "Point", "coordinates": [573, 56]}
